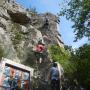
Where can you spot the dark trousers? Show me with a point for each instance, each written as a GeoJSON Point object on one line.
{"type": "Point", "coordinates": [55, 84]}
{"type": "Point", "coordinates": [39, 55]}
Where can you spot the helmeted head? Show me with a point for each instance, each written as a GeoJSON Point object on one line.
{"type": "Point", "coordinates": [54, 64]}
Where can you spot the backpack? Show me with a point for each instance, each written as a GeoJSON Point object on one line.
{"type": "Point", "coordinates": [54, 73]}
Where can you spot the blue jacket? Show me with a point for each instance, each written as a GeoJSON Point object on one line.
{"type": "Point", "coordinates": [54, 73]}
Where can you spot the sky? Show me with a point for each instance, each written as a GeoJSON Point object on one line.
{"type": "Point", "coordinates": [52, 6]}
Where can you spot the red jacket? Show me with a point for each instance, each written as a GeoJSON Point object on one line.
{"type": "Point", "coordinates": [40, 48]}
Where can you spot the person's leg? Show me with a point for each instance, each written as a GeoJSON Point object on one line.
{"type": "Point", "coordinates": [53, 87]}
{"type": "Point", "coordinates": [37, 55]}
{"type": "Point", "coordinates": [58, 84]}
{"type": "Point", "coordinates": [41, 58]}
{"type": "Point", "coordinates": [44, 57]}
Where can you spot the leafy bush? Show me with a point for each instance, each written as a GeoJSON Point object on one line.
{"type": "Point", "coordinates": [76, 64]}
{"type": "Point", "coordinates": [60, 55]}
{"type": "Point", "coordinates": [17, 35]}
{"type": "Point", "coordinates": [82, 63]}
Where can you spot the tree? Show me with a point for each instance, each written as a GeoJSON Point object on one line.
{"type": "Point", "coordinates": [76, 63]}
{"type": "Point", "coordinates": [60, 55]}
{"type": "Point", "coordinates": [78, 11]}
{"type": "Point", "coordinates": [81, 60]}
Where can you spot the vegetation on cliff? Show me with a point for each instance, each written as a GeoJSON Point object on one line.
{"type": "Point", "coordinates": [60, 55]}
{"type": "Point", "coordinates": [17, 35]}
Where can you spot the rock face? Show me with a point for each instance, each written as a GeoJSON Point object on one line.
{"type": "Point", "coordinates": [20, 30]}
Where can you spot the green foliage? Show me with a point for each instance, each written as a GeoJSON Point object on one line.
{"type": "Point", "coordinates": [60, 55]}
{"type": "Point", "coordinates": [17, 38]}
{"type": "Point", "coordinates": [76, 64]}
{"type": "Point", "coordinates": [82, 61]}
{"type": "Point", "coordinates": [78, 11]}
{"type": "Point", "coordinates": [56, 52]}
{"type": "Point", "coordinates": [17, 35]}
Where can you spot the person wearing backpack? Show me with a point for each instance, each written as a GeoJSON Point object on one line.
{"type": "Point", "coordinates": [54, 77]}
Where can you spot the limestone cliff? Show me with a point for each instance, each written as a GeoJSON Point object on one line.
{"type": "Point", "coordinates": [20, 30]}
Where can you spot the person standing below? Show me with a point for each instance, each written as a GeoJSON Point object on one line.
{"type": "Point", "coordinates": [54, 77]}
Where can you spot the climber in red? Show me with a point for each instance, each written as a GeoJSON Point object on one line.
{"type": "Point", "coordinates": [40, 48]}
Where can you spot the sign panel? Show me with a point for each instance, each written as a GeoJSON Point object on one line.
{"type": "Point", "coordinates": [13, 78]}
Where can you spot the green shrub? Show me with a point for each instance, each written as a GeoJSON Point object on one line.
{"type": "Point", "coordinates": [60, 55]}
{"type": "Point", "coordinates": [81, 60]}
{"type": "Point", "coordinates": [17, 34]}
{"type": "Point", "coordinates": [76, 64]}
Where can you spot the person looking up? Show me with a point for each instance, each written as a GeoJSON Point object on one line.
{"type": "Point", "coordinates": [54, 77]}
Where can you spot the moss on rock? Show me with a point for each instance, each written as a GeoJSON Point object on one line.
{"type": "Point", "coordinates": [1, 52]}
{"type": "Point", "coordinates": [16, 34]}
